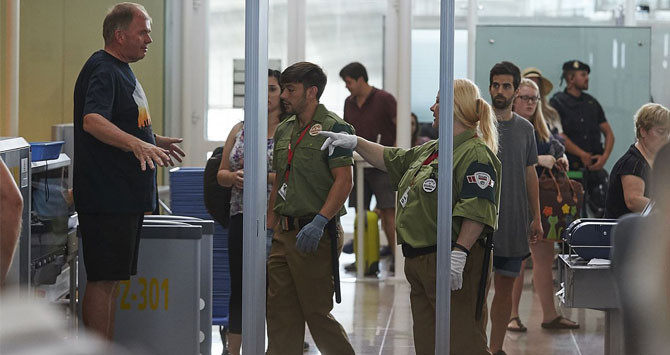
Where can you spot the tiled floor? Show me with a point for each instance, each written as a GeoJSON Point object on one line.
{"type": "Point", "coordinates": [376, 314]}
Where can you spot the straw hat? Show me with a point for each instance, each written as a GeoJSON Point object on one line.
{"type": "Point", "coordinates": [532, 72]}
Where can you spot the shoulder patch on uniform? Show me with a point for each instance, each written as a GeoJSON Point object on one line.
{"type": "Point", "coordinates": [339, 151]}
{"type": "Point", "coordinates": [341, 127]}
{"type": "Point", "coordinates": [479, 181]}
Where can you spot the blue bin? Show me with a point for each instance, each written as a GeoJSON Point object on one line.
{"type": "Point", "coordinates": [45, 150]}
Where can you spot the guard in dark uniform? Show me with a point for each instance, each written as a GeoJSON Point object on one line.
{"type": "Point", "coordinates": [584, 124]}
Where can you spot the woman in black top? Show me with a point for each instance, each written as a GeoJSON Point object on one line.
{"type": "Point", "coordinates": [629, 181]}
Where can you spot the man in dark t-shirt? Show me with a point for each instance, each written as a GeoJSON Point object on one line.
{"type": "Point", "coordinates": [114, 145]}
{"type": "Point", "coordinates": [372, 112]}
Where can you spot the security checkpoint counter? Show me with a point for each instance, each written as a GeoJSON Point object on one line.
{"type": "Point", "coordinates": [159, 309]}
{"type": "Point", "coordinates": [592, 286]}
{"type": "Point", "coordinates": [206, 280]}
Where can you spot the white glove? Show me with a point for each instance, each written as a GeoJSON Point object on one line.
{"type": "Point", "coordinates": [457, 265]}
{"type": "Point", "coordinates": [334, 140]}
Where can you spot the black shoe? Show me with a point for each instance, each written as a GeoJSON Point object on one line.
{"type": "Point", "coordinates": [305, 347]}
{"type": "Point", "coordinates": [372, 270]}
{"type": "Point", "coordinates": [348, 247]}
{"type": "Point", "coordinates": [384, 251]}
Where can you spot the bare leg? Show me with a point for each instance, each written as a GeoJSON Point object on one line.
{"type": "Point", "coordinates": [516, 292]}
{"type": "Point", "coordinates": [500, 310]}
{"type": "Point", "coordinates": [388, 223]}
{"type": "Point", "coordinates": [99, 307]}
{"type": "Point", "coordinates": [234, 343]}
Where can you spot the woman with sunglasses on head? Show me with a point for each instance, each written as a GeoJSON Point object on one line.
{"type": "Point", "coordinates": [551, 155]}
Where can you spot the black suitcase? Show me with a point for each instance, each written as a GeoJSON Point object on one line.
{"type": "Point", "coordinates": [590, 237]}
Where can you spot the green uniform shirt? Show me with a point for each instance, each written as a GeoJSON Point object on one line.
{"type": "Point", "coordinates": [310, 179]}
{"type": "Point", "coordinates": [476, 188]}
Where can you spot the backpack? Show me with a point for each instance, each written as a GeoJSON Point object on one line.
{"type": "Point", "coordinates": [217, 197]}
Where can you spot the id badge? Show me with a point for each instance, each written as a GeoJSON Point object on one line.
{"type": "Point", "coordinates": [403, 198]}
{"type": "Point", "coordinates": [282, 191]}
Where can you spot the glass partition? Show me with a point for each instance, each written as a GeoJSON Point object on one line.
{"type": "Point", "coordinates": [619, 58]}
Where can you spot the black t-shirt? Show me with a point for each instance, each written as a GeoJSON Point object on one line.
{"type": "Point", "coordinates": [581, 118]}
{"type": "Point", "coordinates": [107, 179]}
{"type": "Point", "coordinates": [631, 163]}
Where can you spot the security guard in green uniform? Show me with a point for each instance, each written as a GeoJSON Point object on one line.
{"type": "Point", "coordinates": [476, 192]}
{"type": "Point", "coordinates": [306, 201]}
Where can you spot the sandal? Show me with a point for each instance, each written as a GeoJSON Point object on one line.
{"type": "Point", "coordinates": [519, 326]}
{"type": "Point", "coordinates": [558, 323]}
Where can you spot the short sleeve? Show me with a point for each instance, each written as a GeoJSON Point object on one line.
{"type": "Point", "coordinates": [632, 167]}
{"type": "Point", "coordinates": [397, 161]}
{"type": "Point", "coordinates": [341, 156]}
{"type": "Point", "coordinates": [100, 94]}
{"type": "Point", "coordinates": [477, 198]}
{"type": "Point", "coordinates": [532, 149]}
{"type": "Point", "coordinates": [600, 113]}
{"type": "Point", "coordinates": [557, 148]}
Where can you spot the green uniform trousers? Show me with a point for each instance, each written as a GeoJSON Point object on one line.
{"type": "Point", "coordinates": [468, 337]}
{"type": "Point", "coordinates": [301, 290]}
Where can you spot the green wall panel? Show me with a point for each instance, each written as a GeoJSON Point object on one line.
{"type": "Point", "coordinates": [619, 58]}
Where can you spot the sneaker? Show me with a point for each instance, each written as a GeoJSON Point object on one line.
{"type": "Point", "coordinates": [348, 247]}
{"type": "Point", "coordinates": [385, 251]}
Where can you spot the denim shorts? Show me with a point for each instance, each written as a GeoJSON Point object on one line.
{"type": "Point", "coordinates": [507, 266]}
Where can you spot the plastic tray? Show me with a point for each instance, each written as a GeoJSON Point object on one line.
{"type": "Point", "coordinates": [45, 150]}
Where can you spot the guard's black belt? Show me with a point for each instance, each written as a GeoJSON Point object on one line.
{"type": "Point", "coordinates": [410, 252]}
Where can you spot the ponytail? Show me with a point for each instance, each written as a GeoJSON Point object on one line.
{"type": "Point", "coordinates": [475, 113]}
{"type": "Point", "coordinates": [488, 125]}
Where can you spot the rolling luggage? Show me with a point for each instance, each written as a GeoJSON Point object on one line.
{"type": "Point", "coordinates": [590, 237]}
{"type": "Point", "coordinates": [370, 243]}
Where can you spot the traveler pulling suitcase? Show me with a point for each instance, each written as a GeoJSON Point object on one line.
{"type": "Point", "coordinates": [591, 237]}
{"type": "Point", "coordinates": [370, 243]}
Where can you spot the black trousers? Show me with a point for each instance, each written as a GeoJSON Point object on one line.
{"type": "Point", "coordinates": [235, 242]}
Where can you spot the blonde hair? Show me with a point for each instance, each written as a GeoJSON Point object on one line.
{"type": "Point", "coordinates": [649, 116]}
{"type": "Point", "coordinates": [475, 113]}
{"type": "Point", "coordinates": [550, 114]}
{"type": "Point", "coordinates": [537, 118]}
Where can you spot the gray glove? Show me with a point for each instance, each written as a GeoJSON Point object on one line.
{"type": "Point", "coordinates": [268, 242]}
{"type": "Point", "coordinates": [334, 140]}
{"type": "Point", "coordinates": [307, 240]}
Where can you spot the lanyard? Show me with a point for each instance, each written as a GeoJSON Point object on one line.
{"type": "Point", "coordinates": [430, 158]}
{"type": "Point", "coordinates": [425, 162]}
{"type": "Point", "coordinates": [291, 152]}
